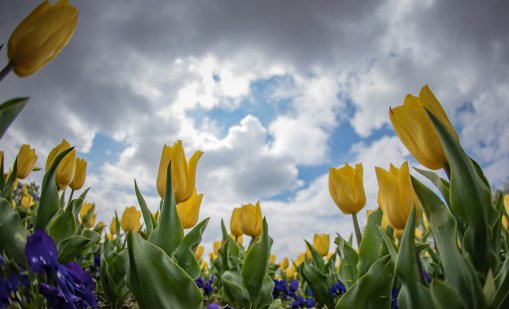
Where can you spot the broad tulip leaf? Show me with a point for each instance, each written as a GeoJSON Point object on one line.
{"type": "Point", "coordinates": [76, 205]}
{"type": "Point", "coordinates": [185, 251]}
{"type": "Point", "coordinates": [112, 277]}
{"type": "Point", "coordinates": [256, 264]}
{"type": "Point", "coordinates": [9, 111]}
{"type": "Point", "coordinates": [7, 187]}
{"type": "Point", "coordinates": [445, 297]}
{"type": "Point", "coordinates": [369, 250]}
{"type": "Point", "coordinates": [13, 235]}
{"type": "Point", "coordinates": [412, 295]}
{"type": "Point", "coordinates": [459, 272]}
{"type": "Point", "coordinates": [319, 283]}
{"type": "Point", "coordinates": [502, 293]}
{"type": "Point", "coordinates": [155, 280]}
{"type": "Point", "coordinates": [72, 247]}
{"type": "Point", "coordinates": [391, 247]}
{"type": "Point", "coordinates": [169, 232]}
{"type": "Point", "coordinates": [348, 272]}
{"type": "Point", "coordinates": [62, 225]}
{"type": "Point", "coordinates": [441, 184]}
{"type": "Point", "coordinates": [316, 258]}
{"type": "Point", "coordinates": [233, 288]}
{"type": "Point", "coordinates": [49, 203]}
{"type": "Point", "coordinates": [470, 197]}
{"type": "Point", "coordinates": [147, 216]}
{"type": "Point", "coordinates": [373, 290]}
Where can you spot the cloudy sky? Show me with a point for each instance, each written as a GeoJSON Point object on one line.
{"type": "Point", "coordinates": [274, 92]}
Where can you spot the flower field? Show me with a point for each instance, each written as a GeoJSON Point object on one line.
{"type": "Point", "coordinates": [444, 246]}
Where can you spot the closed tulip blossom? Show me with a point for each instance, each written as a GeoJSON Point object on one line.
{"type": "Point", "coordinates": [79, 175]}
{"type": "Point", "coordinates": [199, 252]}
{"type": "Point", "coordinates": [41, 36]}
{"type": "Point", "coordinates": [183, 173]}
{"type": "Point", "coordinates": [67, 166]}
{"type": "Point", "coordinates": [235, 222]}
{"type": "Point", "coordinates": [415, 129]}
{"type": "Point", "coordinates": [189, 210]}
{"type": "Point", "coordinates": [25, 161]}
{"type": "Point", "coordinates": [397, 196]}
{"type": "Point", "coordinates": [130, 221]}
{"type": "Point", "coordinates": [87, 214]}
{"type": "Point", "coordinates": [251, 219]}
{"type": "Point", "coordinates": [321, 243]}
{"type": "Point", "coordinates": [347, 191]}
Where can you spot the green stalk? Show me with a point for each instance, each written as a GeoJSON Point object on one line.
{"type": "Point", "coordinates": [357, 230]}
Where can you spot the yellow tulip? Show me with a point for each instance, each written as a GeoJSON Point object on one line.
{"type": "Point", "coordinates": [87, 214]}
{"type": "Point", "coordinates": [2, 161]}
{"type": "Point", "coordinates": [251, 219]}
{"type": "Point", "coordinates": [27, 201]}
{"type": "Point", "coordinates": [189, 210]}
{"type": "Point", "coordinates": [199, 252]}
{"type": "Point", "coordinates": [25, 161]}
{"type": "Point", "coordinates": [110, 236]}
{"type": "Point", "coordinates": [79, 175]}
{"type": "Point", "coordinates": [284, 264]}
{"type": "Point", "coordinates": [183, 174]}
{"type": "Point", "coordinates": [100, 226]}
{"type": "Point", "coordinates": [113, 226]}
{"type": "Point", "coordinates": [506, 206]}
{"type": "Point", "coordinates": [272, 259]}
{"type": "Point", "coordinates": [416, 131]}
{"type": "Point", "coordinates": [217, 245]}
{"type": "Point", "coordinates": [238, 239]}
{"type": "Point", "coordinates": [321, 243]}
{"type": "Point", "coordinates": [130, 219]}
{"type": "Point", "coordinates": [290, 273]}
{"type": "Point", "coordinates": [346, 188]}
{"type": "Point", "coordinates": [397, 195]}
{"type": "Point", "coordinates": [300, 259]}
{"type": "Point", "coordinates": [41, 36]}
{"type": "Point", "coordinates": [235, 222]}
{"type": "Point", "coordinates": [66, 168]}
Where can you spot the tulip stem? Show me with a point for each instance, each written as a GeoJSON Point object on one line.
{"type": "Point", "coordinates": [8, 68]}
{"type": "Point", "coordinates": [70, 197]}
{"type": "Point", "coordinates": [357, 230]}
{"type": "Point", "coordinates": [447, 170]}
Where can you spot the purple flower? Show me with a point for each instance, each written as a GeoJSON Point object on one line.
{"type": "Point", "coordinates": [213, 306]}
{"type": "Point", "coordinates": [426, 277]}
{"type": "Point", "coordinates": [394, 298]}
{"type": "Point", "coordinates": [294, 285]}
{"type": "Point", "coordinates": [41, 252]}
{"type": "Point", "coordinates": [337, 289]}
{"type": "Point", "coordinates": [300, 302]}
{"type": "Point", "coordinates": [206, 286]}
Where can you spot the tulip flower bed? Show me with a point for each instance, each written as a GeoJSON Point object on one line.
{"type": "Point", "coordinates": [439, 247]}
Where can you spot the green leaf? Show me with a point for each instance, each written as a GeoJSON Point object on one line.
{"type": "Point", "coordinates": [156, 280]}
{"type": "Point", "coordinates": [233, 288]}
{"type": "Point", "coordinates": [13, 235]}
{"type": "Point", "coordinates": [489, 289]}
{"type": "Point", "coordinates": [470, 197]}
{"type": "Point", "coordinates": [49, 203]}
{"type": "Point", "coordinates": [502, 292]}
{"type": "Point", "coordinates": [391, 247]}
{"type": "Point", "coordinates": [256, 264]}
{"type": "Point", "coordinates": [348, 272]}
{"type": "Point", "coordinates": [373, 290]}
{"type": "Point", "coordinates": [72, 247]}
{"type": "Point", "coordinates": [316, 258]}
{"type": "Point", "coordinates": [185, 251]}
{"type": "Point", "coordinates": [459, 272]}
{"type": "Point", "coordinates": [408, 270]}
{"type": "Point", "coordinates": [169, 232]}
{"type": "Point", "coordinates": [7, 187]}
{"type": "Point", "coordinates": [147, 216]}
{"type": "Point", "coordinates": [369, 251]}
{"type": "Point", "coordinates": [441, 184]}
{"type": "Point", "coordinates": [112, 277]}
{"type": "Point", "coordinates": [76, 205]}
{"type": "Point", "coordinates": [62, 225]}
{"type": "Point", "coordinates": [445, 297]}
{"type": "Point", "coordinates": [319, 283]}
{"type": "Point", "coordinates": [9, 111]}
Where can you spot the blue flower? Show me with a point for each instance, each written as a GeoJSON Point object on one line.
{"type": "Point", "coordinates": [394, 298]}
{"type": "Point", "coordinates": [9, 285]}
{"type": "Point", "coordinates": [41, 252]}
{"type": "Point", "coordinates": [294, 285]}
{"type": "Point", "coordinates": [206, 286]}
{"type": "Point", "coordinates": [280, 289]}
{"type": "Point", "coordinates": [300, 302]}
{"type": "Point", "coordinates": [213, 306]}
{"type": "Point", "coordinates": [426, 277]}
{"type": "Point", "coordinates": [337, 289]}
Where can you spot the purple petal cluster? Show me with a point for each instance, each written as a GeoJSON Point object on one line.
{"type": "Point", "coordinates": [394, 298]}
{"type": "Point", "coordinates": [205, 285]}
{"type": "Point", "coordinates": [337, 289]}
{"type": "Point", "coordinates": [9, 285]}
{"type": "Point", "coordinates": [68, 286]}
{"type": "Point", "coordinates": [288, 291]}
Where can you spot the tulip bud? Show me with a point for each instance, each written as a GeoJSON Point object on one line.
{"type": "Point", "coordinates": [416, 131]}
{"type": "Point", "coordinates": [79, 175]}
{"type": "Point", "coordinates": [41, 36]}
{"type": "Point", "coordinates": [87, 215]}
{"type": "Point", "coordinates": [199, 252]}
{"type": "Point", "coordinates": [346, 188]}
{"type": "Point", "coordinates": [506, 206]}
{"type": "Point", "coordinates": [284, 264]}
{"type": "Point", "coordinates": [110, 236]}
{"type": "Point", "coordinates": [272, 259]}
{"type": "Point", "coordinates": [217, 245]}
{"type": "Point", "coordinates": [397, 196]}
{"type": "Point", "coordinates": [251, 219]}
{"type": "Point", "coordinates": [67, 166]}
{"type": "Point", "coordinates": [235, 222]}
{"type": "Point", "coordinates": [300, 259]}
{"type": "Point", "coordinates": [130, 220]}
{"type": "Point", "coordinates": [189, 210]}
{"type": "Point", "coordinates": [27, 201]}
{"type": "Point", "coordinates": [113, 226]}
{"type": "Point", "coordinates": [183, 174]}
{"type": "Point", "coordinates": [321, 243]}
{"type": "Point", "coordinates": [25, 161]}
{"type": "Point", "coordinates": [290, 273]}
